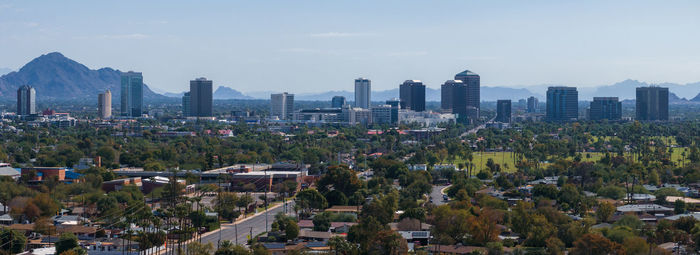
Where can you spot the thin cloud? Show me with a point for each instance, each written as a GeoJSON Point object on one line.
{"type": "Point", "coordinates": [339, 34]}
{"type": "Point", "coordinates": [407, 53]}
{"type": "Point", "coordinates": [300, 50]}
{"type": "Point", "coordinates": [125, 36]}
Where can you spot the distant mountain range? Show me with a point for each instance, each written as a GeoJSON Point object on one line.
{"type": "Point", "coordinates": [487, 94]}
{"type": "Point", "coordinates": [627, 90]}
{"type": "Point", "coordinates": [4, 70]}
{"type": "Point", "coordinates": [55, 76]}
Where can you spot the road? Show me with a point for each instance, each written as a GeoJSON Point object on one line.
{"type": "Point", "coordinates": [256, 224]}
{"type": "Point", "coordinates": [476, 129]}
{"type": "Point", "coordinates": [436, 195]}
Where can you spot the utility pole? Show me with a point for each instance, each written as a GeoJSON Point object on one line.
{"type": "Point", "coordinates": [218, 180]}
{"type": "Point", "coordinates": [268, 182]}
{"type": "Point", "coordinates": [235, 228]}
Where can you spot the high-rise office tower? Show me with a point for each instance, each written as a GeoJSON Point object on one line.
{"type": "Point", "coordinates": [186, 101]}
{"type": "Point", "coordinates": [131, 94]}
{"type": "Point", "coordinates": [652, 103]}
{"type": "Point", "coordinates": [282, 105]}
{"type": "Point", "coordinates": [363, 93]}
{"type": "Point", "coordinates": [562, 103]}
{"type": "Point", "coordinates": [605, 108]}
{"type": "Point", "coordinates": [532, 104]}
{"type": "Point", "coordinates": [104, 104]}
{"type": "Point", "coordinates": [201, 97]}
{"type": "Point", "coordinates": [472, 81]}
{"type": "Point", "coordinates": [26, 100]}
{"type": "Point", "coordinates": [503, 108]}
{"type": "Point", "coordinates": [448, 98]}
{"type": "Point", "coordinates": [395, 105]}
{"type": "Point", "coordinates": [338, 102]}
{"type": "Point", "coordinates": [412, 94]}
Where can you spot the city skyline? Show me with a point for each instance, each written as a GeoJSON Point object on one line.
{"type": "Point", "coordinates": [598, 37]}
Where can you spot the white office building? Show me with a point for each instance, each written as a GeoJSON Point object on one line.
{"type": "Point", "coordinates": [282, 106]}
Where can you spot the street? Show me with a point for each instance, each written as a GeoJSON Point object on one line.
{"type": "Point", "coordinates": [436, 195]}
{"type": "Point", "coordinates": [256, 224]}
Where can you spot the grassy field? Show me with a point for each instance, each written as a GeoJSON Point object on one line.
{"type": "Point", "coordinates": [505, 159]}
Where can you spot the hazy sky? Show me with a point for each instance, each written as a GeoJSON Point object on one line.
{"type": "Point", "coordinates": [306, 46]}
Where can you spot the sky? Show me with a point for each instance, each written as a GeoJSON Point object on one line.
{"type": "Point", "coordinates": [312, 46]}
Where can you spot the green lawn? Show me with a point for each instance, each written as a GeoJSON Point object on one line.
{"type": "Point", "coordinates": [505, 159]}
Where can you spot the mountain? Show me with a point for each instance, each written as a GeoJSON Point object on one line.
{"type": "Point", "coordinates": [627, 89]}
{"type": "Point", "coordinates": [4, 71]}
{"type": "Point", "coordinates": [696, 98]}
{"type": "Point", "coordinates": [55, 76]}
{"type": "Point", "coordinates": [228, 93]}
{"type": "Point", "coordinates": [487, 94]}
{"type": "Point", "coordinates": [175, 95]}
{"type": "Point", "coordinates": [674, 99]}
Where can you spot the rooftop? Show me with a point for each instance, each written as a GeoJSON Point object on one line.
{"type": "Point", "coordinates": [643, 208]}
{"type": "Point", "coordinates": [466, 73]}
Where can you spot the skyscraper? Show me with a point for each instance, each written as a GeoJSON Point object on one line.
{"type": "Point", "coordinates": [412, 94]}
{"type": "Point", "coordinates": [605, 108]}
{"type": "Point", "coordinates": [503, 108]}
{"type": "Point", "coordinates": [201, 97]}
{"type": "Point", "coordinates": [652, 103]}
{"type": "Point", "coordinates": [532, 104]}
{"type": "Point", "coordinates": [562, 103]}
{"type": "Point", "coordinates": [26, 100]}
{"type": "Point", "coordinates": [472, 81]}
{"type": "Point", "coordinates": [282, 105]}
{"type": "Point", "coordinates": [104, 105]}
{"type": "Point", "coordinates": [363, 93]}
{"type": "Point", "coordinates": [131, 94]}
{"type": "Point", "coordinates": [338, 102]}
{"type": "Point", "coordinates": [448, 98]}
{"type": "Point", "coordinates": [186, 101]}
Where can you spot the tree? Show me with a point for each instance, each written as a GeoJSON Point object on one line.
{"type": "Point", "coordinates": [322, 221]}
{"type": "Point", "coordinates": [44, 226]}
{"type": "Point", "coordinates": [342, 246]}
{"type": "Point", "coordinates": [605, 211]}
{"type": "Point", "coordinates": [46, 204]}
{"type": "Point", "coordinates": [593, 244]}
{"type": "Point", "coordinates": [612, 191]}
{"type": "Point", "coordinates": [197, 248]}
{"type": "Point", "coordinates": [244, 201]}
{"type": "Point", "coordinates": [555, 246]}
{"type": "Point", "coordinates": [310, 199]}
{"type": "Point", "coordinates": [107, 154]}
{"type": "Point", "coordinates": [66, 242]}
{"type": "Point", "coordinates": [13, 242]}
{"type": "Point", "coordinates": [539, 231]}
{"type": "Point", "coordinates": [483, 228]}
{"type": "Point", "coordinates": [225, 205]}
{"type": "Point", "coordinates": [365, 232]}
{"type": "Point", "coordinates": [636, 246]}
{"type": "Point", "coordinates": [545, 190]}
{"type": "Point", "coordinates": [228, 248]}
{"type": "Point", "coordinates": [291, 231]}
{"type": "Point", "coordinates": [335, 197]}
{"type": "Point", "coordinates": [679, 206]}
{"type": "Point", "coordinates": [451, 225]}
{"type": "Point", "coordinates": [339, 178]}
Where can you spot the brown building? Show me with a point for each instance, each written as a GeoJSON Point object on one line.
{"type": "Point", "coordinates": [43, 173]}
{"type": "Point", "coordinates": [118, 184]}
